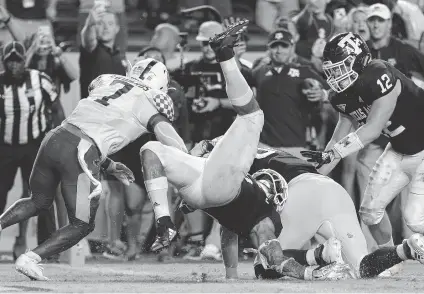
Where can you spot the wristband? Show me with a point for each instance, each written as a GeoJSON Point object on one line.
{"type": "Point", "coordinates": [348, 145]}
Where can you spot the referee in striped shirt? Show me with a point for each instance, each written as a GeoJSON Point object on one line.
{"type": "Point", "coordinates": [25, 97]}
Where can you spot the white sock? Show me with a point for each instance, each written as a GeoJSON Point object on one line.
{"type": "Point", "coordinates": [310, 257]}
{"type": "Point", "coordinates": [34, 256]}
{"type": "Point", "coordinates": [400, 252]}
{"type": "Point", "coordinates": [157, 190]}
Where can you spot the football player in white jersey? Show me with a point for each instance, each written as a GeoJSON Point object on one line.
{"type": "Point", "coordinates": [118, 110]}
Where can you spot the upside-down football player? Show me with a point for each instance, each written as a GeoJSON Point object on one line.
{"type": "Point", "coordinates": [313, 204]}
{"type": "Point", "coordinates": [117, 111]}
{"type": "Point", "coordinates": [377, 98]}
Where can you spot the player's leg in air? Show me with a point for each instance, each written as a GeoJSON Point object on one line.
{"type": "Point", "coordinates": [214, 181]}
{"type": "Point", "coordinates": [331, 213]}
{"type": "Point", "coordinates": [387, 180]}
{"type": "Point", "coordinates": [61, 157]}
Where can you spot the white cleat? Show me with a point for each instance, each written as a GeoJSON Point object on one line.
{"type": "Point", "coordinates": [30, 268]}
{"type": "Point", "coordinates": [211, 252]}
{"type": "Point", "coordinates": [416, 244]}
{"type": "Point", "coordinates": [332, 251]}
{"type": "Point", "coordinates": [390, 272]}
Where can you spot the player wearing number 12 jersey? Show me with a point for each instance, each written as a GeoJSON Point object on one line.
{"type": "Point", "coordinates": [118, 110]}
{"type": "Point", "coordinates": [376, 98]}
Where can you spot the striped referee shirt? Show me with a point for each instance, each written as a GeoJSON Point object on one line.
{"type": "Point", "coordinates": [22, 107]}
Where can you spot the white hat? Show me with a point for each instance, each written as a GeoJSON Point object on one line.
{"type": "Point", "coordinates": [379, 10]}
{"type": "Point", "coordinates": [208, 30]}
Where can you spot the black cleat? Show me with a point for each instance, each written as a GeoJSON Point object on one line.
{"type": "Point", "coordinates": [166, 233]}
{"type": "Point", "coordinates": [224, 42]}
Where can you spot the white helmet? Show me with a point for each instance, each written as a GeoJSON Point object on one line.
{"type": "Point", "coordinates": [151, 73]}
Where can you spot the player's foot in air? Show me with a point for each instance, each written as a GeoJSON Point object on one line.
{"type": "Point", "coordinates": [28, 265]}
{"type": "Point", "coordinates": [166, 233]}
{"type": "Point", "coordinates": [416, 245]}
{"type": "Point", "coordinates": [229, 37]}
{"type": "Point", "coordinates": [330, 251]}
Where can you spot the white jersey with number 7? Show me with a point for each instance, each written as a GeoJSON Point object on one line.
{"type": "Point", "coordinates": [117, 111]}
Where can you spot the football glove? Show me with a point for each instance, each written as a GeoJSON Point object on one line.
{"type": "Point", "coordinates": [121, 172]}
{"type": "Point", "coordinates": [318, 157]}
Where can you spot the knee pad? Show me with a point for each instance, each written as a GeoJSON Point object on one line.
{"type": "Point", "coordinates": [371, 216]}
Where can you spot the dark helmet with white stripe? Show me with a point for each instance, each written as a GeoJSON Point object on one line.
{"type": "Point", "coordinates": [151, 73]}
{"type": "Point", "coordinates": [345, 57]}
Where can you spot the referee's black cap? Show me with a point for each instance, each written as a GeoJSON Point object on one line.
{"type": "Point", "coordinates": [13, 50]}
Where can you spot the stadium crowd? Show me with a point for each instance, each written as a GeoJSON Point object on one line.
{"type": "Point", "coordinates": [288, 81]}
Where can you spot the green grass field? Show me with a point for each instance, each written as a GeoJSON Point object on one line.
{"type": "Point", "coordinates": [147, 275]}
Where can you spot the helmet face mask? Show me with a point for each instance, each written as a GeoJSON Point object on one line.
{"type": "Point", "coordinates": [345, 57]}
{"type": "Point", "coordinates": [340, 75]}
{"type": "Point", "coordinates": [276, 186]}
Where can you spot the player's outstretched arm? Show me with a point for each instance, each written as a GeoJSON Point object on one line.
{"type": "Point", "coordinates": [326, 161]}
{"type": "Point", "coordinates": [344, 126]}
{"type": "Point", "coordinates": [167, 135]}
{"type": "Point", "coordinates": [229, 247]}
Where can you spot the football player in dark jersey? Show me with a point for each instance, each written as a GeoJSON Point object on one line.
{"type": "Point", "coordinates": [219, 184]}
{"type": "Point", "coordinates": [316, 205]}
{"type": "Point", "coordinates": [374, 97]}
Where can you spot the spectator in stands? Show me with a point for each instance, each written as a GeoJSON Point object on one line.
{"type": "Point", "coordinates": [314, 27]}
{"type": "Point", "coordinates": [384, 46]}
{"type": "Point", "coordinates": [357, 20]}
{"type": "Point", "coordinates": [286, 105]}
{"type": "Point", "coordinates": [288, 25]}
{"type": "Point", "coordinates": [30, 14]}
{"type": "Point", "coordinates": [115, 6]}
{"type": "Point", "coordinates": [268, 11]}
{"type": "Point", "coordinates": [166, 38]}
{"type": "Point", "coordinates": [99, 53]}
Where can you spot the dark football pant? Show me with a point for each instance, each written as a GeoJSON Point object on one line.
{"type": "Point", "coordinates": [58, 161]}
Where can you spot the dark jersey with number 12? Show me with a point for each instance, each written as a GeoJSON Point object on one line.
{"type": "Point", "coordinates": [405, 128]}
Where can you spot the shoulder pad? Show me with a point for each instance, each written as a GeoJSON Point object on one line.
{"type": "Point", "coordinates": [163, 103]}
{"type": "Point", "coordinates": [376, 81]}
